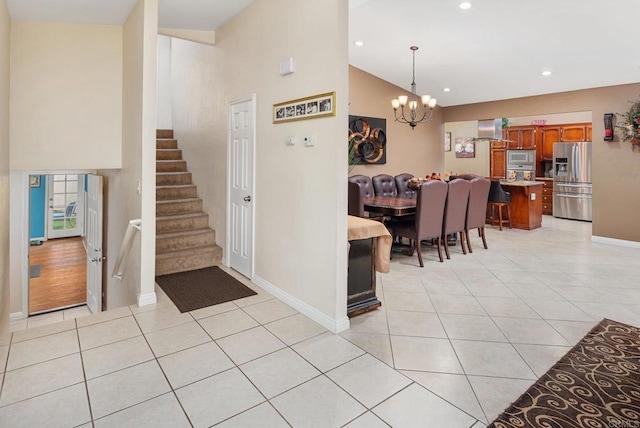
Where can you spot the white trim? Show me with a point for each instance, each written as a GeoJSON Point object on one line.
{"type": "Point", "coordinates": [16, 316]}
{"type": "Point", "coordinates": [147, 299]}
{"type": "Point", "coordinates": [618, 242]}
{"type": "Point", "coordinates": [334, 325]}
{"type": "Point", "coordinates": [254, 102]}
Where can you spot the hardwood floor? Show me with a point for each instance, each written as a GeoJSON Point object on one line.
{"type": "Point", "coordinates": [63, 274]}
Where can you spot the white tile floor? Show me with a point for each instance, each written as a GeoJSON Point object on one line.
{"type": "Point", "coordinates": [453, 344]}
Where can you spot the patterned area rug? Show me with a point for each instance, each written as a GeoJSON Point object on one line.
{"type": "Point", "coordinates": [596, 384]}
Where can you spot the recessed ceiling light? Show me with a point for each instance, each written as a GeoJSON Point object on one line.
{"type": "Point", "coordinates": [446, 89]}
{"type": "Point", "coordinates": [546, 73]}
{"type": "Point", "coordinates": [465, 5]}
{"type": "Point", "coordinates": [358, 43]}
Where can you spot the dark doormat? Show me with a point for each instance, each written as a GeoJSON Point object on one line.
{"type": "Point", "coordinates": [34, 271]}
{"type": "Point", "coordinates": [200, 288]}
{"type": "Point", "coordinates": [596, 384]}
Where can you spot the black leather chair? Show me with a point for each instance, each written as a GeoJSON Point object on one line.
{"type": "Point", "coordinates": [384, 185]}
{"type": "Point", "coordinates": [401, 185]}
{"type": "Point", "coordinates": [498, 198]}
{"type": "Point", "coordinates": [365, 183]}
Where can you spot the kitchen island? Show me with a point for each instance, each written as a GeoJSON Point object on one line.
{"type": "Point", "coordinates": [526, 203]}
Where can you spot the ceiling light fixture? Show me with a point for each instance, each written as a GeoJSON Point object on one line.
{"type": "Point", "coordinates": [358, 43]}
{"type": "Point", "coordinates": [465, 5]}
{"type": "Point", "coordinates": [446, 89]}
{"type": "Point", "coordinates": [546, 73]}
{"type": "Point", "coordinates": [427, 102]}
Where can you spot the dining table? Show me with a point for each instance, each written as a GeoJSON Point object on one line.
{"type": "Point", "coordinates": [394, 206]}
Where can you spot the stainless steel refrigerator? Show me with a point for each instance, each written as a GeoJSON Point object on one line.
{"type": "Point", "coordinates": [572, 188]}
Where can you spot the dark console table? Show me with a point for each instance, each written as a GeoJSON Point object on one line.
{"type": "Point", "coordinates": [369, 251]}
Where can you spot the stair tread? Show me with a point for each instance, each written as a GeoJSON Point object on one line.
{"type": "Point", "coordinates": [172, 172]}
{"type": "Point", "coordinates": [173, 201]}
{"type": "Point", "coordinates": [179, 253]}
{"type": "Point", "coordinates": [174, 186]}
{"type": "Point", "coordinates": [184, 232]}
{"type": "Point", "coordinates": [182, 216]}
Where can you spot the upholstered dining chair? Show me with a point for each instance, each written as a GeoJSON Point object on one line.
{"type": "Point", "coordinates": [384, 185]}
{"type": "Point", "coordinates": [355, 204]}
{"type": "Point", "coordinates": [365, 183]}
{"type": "Point", "coordinates": [427, 223]}
{"type": "Point", "coordinates": [401, 185]}
{"type": "Point", "coordinates": [477, 209]}
{"type": "Point", "coordinates": [499, 198]}
{"type": "Point", "coordinates": [455, 212]}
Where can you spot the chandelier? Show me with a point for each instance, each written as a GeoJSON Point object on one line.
{"type": "Point", "coordinates": [403, 101]}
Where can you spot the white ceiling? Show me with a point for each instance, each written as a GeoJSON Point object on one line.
{"type": "Point", "coordinates": [185, 14]}
{"type": "Point", "coordinates": [495, 50]}
{"type": "Point", "coordinates": [498, 48]}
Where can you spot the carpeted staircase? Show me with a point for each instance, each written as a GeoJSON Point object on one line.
{"type": "Point", "coordinates": [184, 240]}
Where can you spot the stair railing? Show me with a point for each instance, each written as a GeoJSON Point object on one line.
{"type": "Point", "coordinates": [125, 247]}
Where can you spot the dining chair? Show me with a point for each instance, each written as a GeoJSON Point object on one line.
{"type": "Point", "coordinates": [365, 183]}
{"type": "Point", "coordinates": [455, 212]}
{"type": "Point", "coordinates": [384, 185]}
{"type": "Point", "coordinates": [401, 185]}
{"type": "Point", "coordinates": [477, 209]}
{"type": "Point", "coordinates": [499, 198]}
{"type": "Point", "coordinates": [355, 204]}
{"type": "Point", "coordinates": [427, 223]}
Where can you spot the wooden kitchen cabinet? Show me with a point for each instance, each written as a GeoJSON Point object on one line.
{"type": "Point", "coordinates": [521, 137]}
{"type": "Point", "coordinates": [498, 160]}
{"type": "Point", "coordinates": [577, 132]}
{"type": "Point", "coordinates": [550, 135]}
{"type": "Point", "coordinates": [547, 196]}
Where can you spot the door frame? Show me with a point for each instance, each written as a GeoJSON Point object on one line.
{"type": "Point", "coordinates": [26, 229]}
{"type": "Point", "coordinates": [253, 99]}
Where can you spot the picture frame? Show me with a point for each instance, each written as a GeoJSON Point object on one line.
{"type": "Point", "coordinates": [447, 141]}
{"type": "Point", "coordinates": [465, 148]}
{"type": "Point", "coordinates": [315, 106]}
{"type": "Point", "coordinates": [34, 181]}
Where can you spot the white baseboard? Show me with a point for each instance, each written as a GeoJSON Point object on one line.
{"type": "Point", "coordinates": [147, 299]}
{"type": "Point", "coordinates": [331, 324]}
{"type": "Point", "coordinates": [618, 242]}
{"type": "Point", "coordinates": [17, 316]}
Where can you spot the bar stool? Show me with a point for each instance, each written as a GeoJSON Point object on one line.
{"type": "Point", "coordinates": [499, 199]}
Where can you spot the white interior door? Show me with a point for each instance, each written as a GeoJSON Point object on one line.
{"type": "Point", "coordinates": [240, 215]}
{"type": "Point", "coordinates": [93, 242]}
{"type": "Point", "coordinates": [64, 211]}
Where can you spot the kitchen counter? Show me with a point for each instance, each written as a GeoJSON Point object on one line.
{"type": "Point", "coordinates": [526, 203]}
{"type": "Point", "coordinates": [519, 183]}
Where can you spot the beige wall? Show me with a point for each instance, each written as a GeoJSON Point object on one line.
{"type": "Point", "coordinates": [300, 192]}
{"type": "Point", "coordinates": [138, 161]}
{"type": "Point", "coordinates": [418, 152]}
{"type": "Point", "coordinates": [66, 96]}
{"type": "Point", "coordinates": [479, 164]}
{"type": "Point", "coordinates": [615, 168]}
{"type": "Point", "coordinates": [5, 25]}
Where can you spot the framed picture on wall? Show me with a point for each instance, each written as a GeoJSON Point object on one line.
{"type": "Point", "coordinates": [34, 180]}
{"type": "Point", "coordinates": [447, 141]}
{"type": "Point", "coordinates": [465, 148]}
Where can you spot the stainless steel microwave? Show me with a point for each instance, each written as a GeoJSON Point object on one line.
{"type": "Point", "coordinates": [521, 157]}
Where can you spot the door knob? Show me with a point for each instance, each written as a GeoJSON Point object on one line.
{"type": "Point", "coordinates": [247, 198]}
